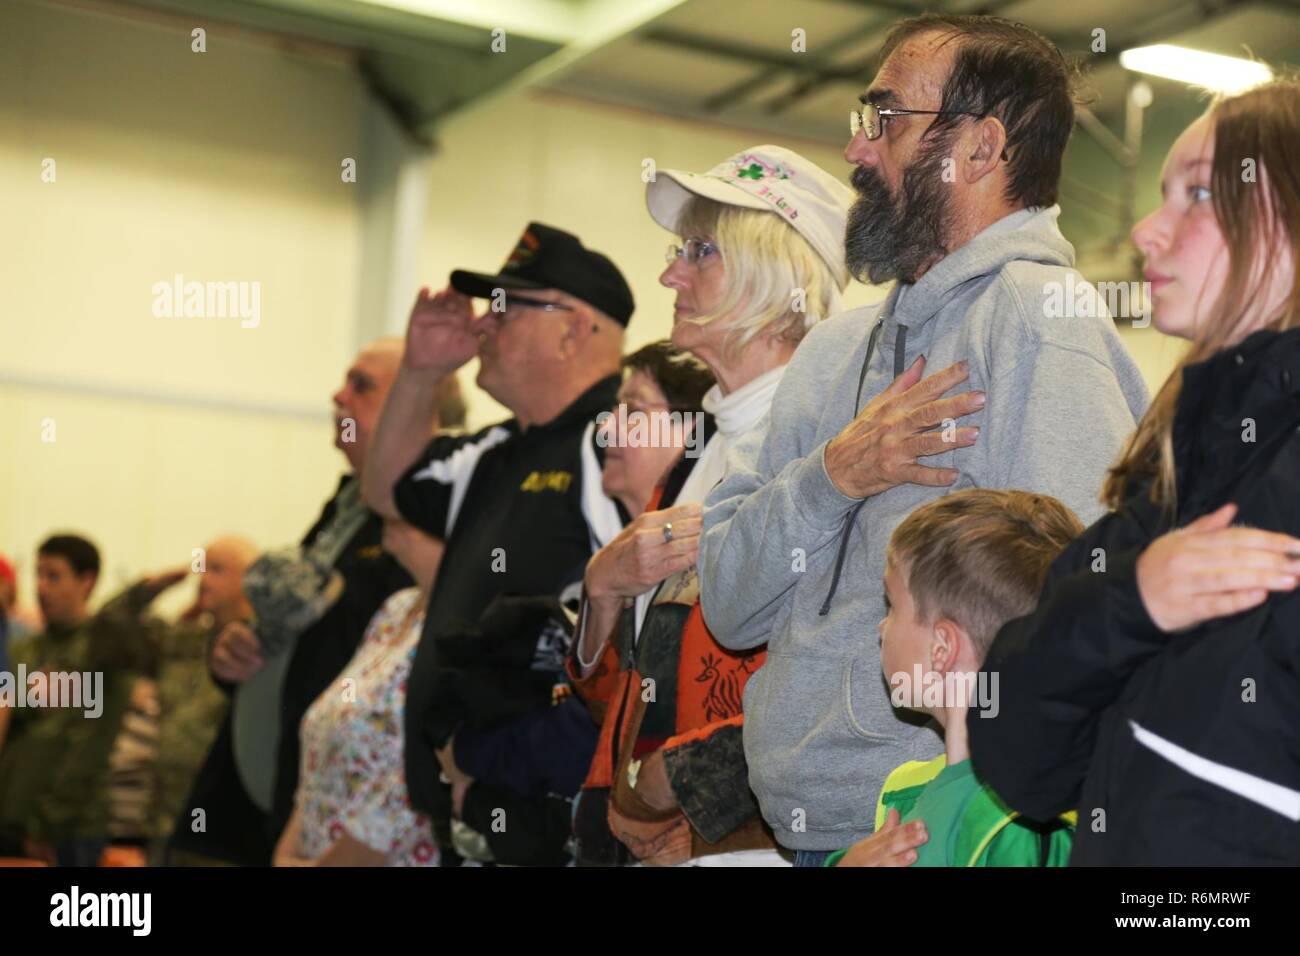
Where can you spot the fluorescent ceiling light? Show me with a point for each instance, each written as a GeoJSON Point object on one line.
{"type": "Point", "coordinates": [1223, 74]}
{"type": "Point", "coordinates": [554, 21]}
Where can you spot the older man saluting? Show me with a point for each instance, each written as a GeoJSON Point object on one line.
{"type": "Point", "coordinates": [957, 148]}
{"type": "Point", "coordinates": [518, 504]}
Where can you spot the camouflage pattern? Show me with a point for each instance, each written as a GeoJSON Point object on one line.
{"type": "Point", "coordinates": [190, 706]}
{"type": "Point", "coordinates": [191, 709]}
{"type": "Point", "coordinates": [54, 773]}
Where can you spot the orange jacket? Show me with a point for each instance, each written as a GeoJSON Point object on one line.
{"type": "Point", "coordinates": [676, 662]}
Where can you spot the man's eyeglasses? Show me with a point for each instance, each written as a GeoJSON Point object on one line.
{"type": "Point", "coordinates": [871, 119]}
{"type": "Point", "coordinates": [692, 250]}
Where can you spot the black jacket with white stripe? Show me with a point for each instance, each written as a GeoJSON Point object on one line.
{"type": "Point", "coordinates": [1176, 749]}
{"type": "Point", "coordinates": [521, 512]}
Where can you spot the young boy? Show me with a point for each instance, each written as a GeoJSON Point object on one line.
{"type": "Point", "coordinates": [957, 569]}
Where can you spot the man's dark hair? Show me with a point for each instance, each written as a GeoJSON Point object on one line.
{"type": "Point", "coordinates": [76, 550]}
{"type": "Point", "coordinates": [680, 376]}
{"type": "Point", "coordinates": [1008, 71]}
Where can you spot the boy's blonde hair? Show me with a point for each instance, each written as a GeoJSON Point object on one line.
{"type": "Point", "coordinates": [979, 557]}
{"type": "Point", "coordinates": [767, 260]}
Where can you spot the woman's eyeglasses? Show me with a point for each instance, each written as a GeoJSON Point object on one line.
{"type": "Point", "coordinates": [692, 250]}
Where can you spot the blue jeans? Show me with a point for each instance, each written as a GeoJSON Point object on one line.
{"type": "Point", "coordinates": [810, 857]}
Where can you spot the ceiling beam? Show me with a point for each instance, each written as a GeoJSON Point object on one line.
{"type": "Point", "coordinates": [759, 56]}
{"type": "Point", "coordinates": [601, 23]}
{"type": "Point", "coordinates": [864, 66]}
{"type": "Point", "coordinates": [894, 9]}
{"type": "Point", "coordinates": [771, 73]}
{"type": "Point", "coordinates": [1162, 28]}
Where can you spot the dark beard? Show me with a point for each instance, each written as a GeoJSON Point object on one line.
{"type": "Point", "coordinates": [899, 239]}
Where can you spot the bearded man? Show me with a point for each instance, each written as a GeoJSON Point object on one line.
{"type": "Point", "coordinates": [957, 147]}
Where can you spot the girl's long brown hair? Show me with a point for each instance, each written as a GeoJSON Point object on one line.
{"type": "Point", "coordinates": [1260, 220]}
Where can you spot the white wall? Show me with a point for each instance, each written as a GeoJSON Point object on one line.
{"type": "Point", "coordinates": [220, 166]}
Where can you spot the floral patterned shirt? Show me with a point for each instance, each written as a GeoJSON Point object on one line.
{"type": "Point", "coordinates": [352, 779]}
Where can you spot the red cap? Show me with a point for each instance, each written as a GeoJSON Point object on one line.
{"type": "Point", "coordinates": [7, 572]}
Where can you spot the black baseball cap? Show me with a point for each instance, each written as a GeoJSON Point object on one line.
{"type": "Point", "coordinates": [550, 258]}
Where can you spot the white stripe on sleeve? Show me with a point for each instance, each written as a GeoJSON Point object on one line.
{"type": "Point", "coordinates": [458, 468]}
{"type": "Point", "coordinates": [1274, 796]}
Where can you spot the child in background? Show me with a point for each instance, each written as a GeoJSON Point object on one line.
{"type": "Point", "coordinates": [957, 569]}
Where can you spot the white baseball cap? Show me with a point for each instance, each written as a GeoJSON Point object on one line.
{"type": "Point", "coordinates": [771, 178]}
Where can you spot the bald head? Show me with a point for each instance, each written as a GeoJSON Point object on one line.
{"type": "Point", "coordinates": [234, 549]}
{"type": "Point", "coordinates": [385, 349]}
{"type": "Point", "coordinates": [358, 403]}
{"type": "Point", "coordinates": [221, 585]}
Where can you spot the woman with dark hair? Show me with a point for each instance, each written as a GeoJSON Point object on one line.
{"type": "Point", "coordinates": [658, 380]}
{"type": "Point", "coordinates": [1156, 689]}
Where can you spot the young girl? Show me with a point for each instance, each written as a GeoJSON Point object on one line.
{"type": "Point", "coordinates": [1156, 689]}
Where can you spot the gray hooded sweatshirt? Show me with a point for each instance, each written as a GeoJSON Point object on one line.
{"type": "Point", "coordinates": [789, 561]}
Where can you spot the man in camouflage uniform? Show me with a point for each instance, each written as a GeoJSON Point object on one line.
{"type": "Point", "coordinates": [68, 780]}
{"type": "Point", "coordinates": [54, 767]}
{"type": "Point", "coordinates": [156, 769]}
{"type": "Point", "coordinates": [190, 703]}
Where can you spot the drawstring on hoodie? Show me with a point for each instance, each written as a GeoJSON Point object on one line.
{"type": "Point", "coordinates": [900, 348]}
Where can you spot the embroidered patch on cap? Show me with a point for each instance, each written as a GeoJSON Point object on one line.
{"type": "Point", "coordinates": [524, 252]}
{"type": "Point", "coordinates": [755, 170]}
{"type": "Point", "coordinates": [749, 166]}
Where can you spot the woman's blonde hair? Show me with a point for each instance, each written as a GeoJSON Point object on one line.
{"type": "Point", "coordinates": [777, 284]}
{"type": "Point", "coordinates": [1260, 221]}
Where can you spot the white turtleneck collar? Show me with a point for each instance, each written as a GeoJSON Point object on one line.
{"type": "Point", "coordinates": [741, 410]}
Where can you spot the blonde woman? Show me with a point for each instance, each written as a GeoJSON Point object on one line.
{"type": "Point", "coordinates": [1157, 687]}
{"type": "Point", "coordinates": [759, 260]}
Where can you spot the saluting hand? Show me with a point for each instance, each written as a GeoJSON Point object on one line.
{"type": "Point", "coordinates": [441, 334]}
{"type": "Point", "coordinates": [155, 585]}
